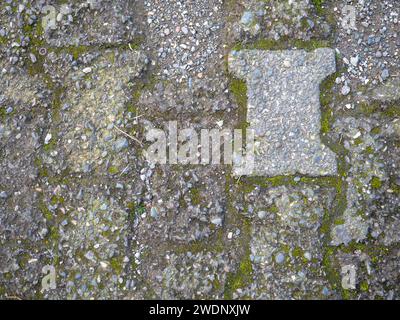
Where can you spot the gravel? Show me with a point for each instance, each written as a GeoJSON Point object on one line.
{"type": "Point", "coordinates": [77, 193]}
{"type": "Point", "coordinates": [286, 121]}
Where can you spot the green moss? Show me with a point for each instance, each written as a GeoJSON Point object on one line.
{"type": "Point", "coordinates": [136, 43]}
{"type": "Point", "coordinates": [339, 222]}
{"type": "Point", "coordinates": [116, 264]}
{"type": "Point", "coordinates": [3, 41]}
{"type": "Point", "coordinates": [244, 273]}
{"type": "Point", "coordinates": [244, 187]}
{"type": "Point", "coordinates": [43, 172]}
{"type": "Point", "coordinates": [56, 103]}
{"type": "Point", "coordinates": [282, 44]}
{"type": "Point", "coordinates": [376, 130]}
{"type": "Point", "coordinates": [193, 247]}
{"type": "Point", "coordinates": [364, 286]}
{"type": "Point", "coordinates": [3, 114]}
{"type": "Point", "coordinates": [216, 284]}
{"type": "Point", "coordinates": [270, 182]}
{"type": "Point", "coordinates": [346, 294]}
{"type": "Point", "coordinates": [325, 226]}
{"type": "Point", "coordinates": [240, 279]}
{"type": "Point", "coordinates": [326, 89]}
{"type": "Point", "coordinates": [56, 115]}
{"type": "Point", "coordinates": [231, 5]}
{"type": "Point", "coordinates": [182, 202]}
{"type": "Point", "coordinates": [195, 196]}
{"type": "Point", "coordinates": [369, 150]}
{"type": "Point", "coordinates": [298, 252]}
{"type": "Point", "coordinates": [133, 265]}
{"type": "Point", "coordinates": [35, 34]}
{"type": "Point", "coordinates": [77, 51]}
{"type": "Point", "coordinates": [53, 234]}
{"type": "Point", "coordinates": [332, 274]}
{"type": "Point", "coordinates": [7, 276]}
{"type": "Point", "coordinates": [273, 209]}
{"type": "Point", "coordinates": [318, 4]}
{"type": "Point", "coordinates": [310, 45]}
{"type": "Point", "coordinates": [389, 111]}
{"type": "Point", "coordinates": [132, 211]}
{"type": "Point", "coordinates": [326, 120]}
{"type": "Point", "coordinates": [47, 214]}
{"type": "Point", "coordinates": [132, 108]}
{"type": "Point", "coordinates": [56, 200]}
{"type": "Point", "coordinates": [140, 209]}
{"type": "Point", "coordinates": [280, 180]}
{"type": "Point", "coordinates": [327, 97]}
{"type": "Point", "coordinates": [23, 260]}
{"type": "Point", "coordinates": [376, 253]}
{"type": "Point", "coordinates": [392, 111]}
{"type": "Point", "coordinates": [376, 183]}
{"type": "Point", "coordinates": [368, 108]}
{"type": "Point", "coordinates": [304, 24]}
{"type": "Point", "coordinates": [394, 186]}
{"type": "Point", "coordinates": [50, 146]}
{"type": "Point", "coordinates": [285, 248]}
{"type": "Point", "coordinates": [245, 267]}
{"type": "Point", "coordinates": [239, 91]}
{"type": "Point", "coordinates": [358, 141]}
{"type": "Point", "coordinates": [147, 83]}
{"type": "Point", "coordinates": [113, 170]}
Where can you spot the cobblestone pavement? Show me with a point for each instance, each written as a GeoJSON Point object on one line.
{"type": "Point", "coordinates": [85, 215]}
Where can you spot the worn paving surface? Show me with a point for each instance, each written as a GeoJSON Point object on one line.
{"type": "Point", "coordinates": [77, 193]}
{"type": "Point", "coordinates": [284, 110]}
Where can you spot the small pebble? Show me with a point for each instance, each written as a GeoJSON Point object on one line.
{"type": "Point", "coordinates": [345, 90]}
{"type": "Point", "coordinates": [385, 74]}
{"type": "Point", "coordinates": [280, 258]}
{"type": "Point", "coordinates": [154, 213]}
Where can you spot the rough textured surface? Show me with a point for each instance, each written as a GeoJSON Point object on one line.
{"type": "Point", "coordinates": [77, 194]}
{"type": "Point", "coordinates": [284, 111]}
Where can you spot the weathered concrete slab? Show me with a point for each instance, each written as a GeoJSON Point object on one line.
{"type": "Point", "coordinates": [92, 107]}
{"type": "Point", "coordinates": [284, 109]}
{"type": "Point", "coordinates": [92, 22]}
{"type": "Point", "coordinates": [287, 241]}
